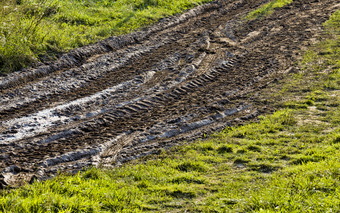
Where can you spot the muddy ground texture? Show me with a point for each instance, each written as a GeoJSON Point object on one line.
{"type": "Point", "coordinates": [133, 95]}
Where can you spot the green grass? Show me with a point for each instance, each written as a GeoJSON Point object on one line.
{"type": "Point", "coordinates": [285, 162]}
{"type": "Point", "coordinates": [34, 30]}
{"type": "Point", "coordinates": [267, 9]}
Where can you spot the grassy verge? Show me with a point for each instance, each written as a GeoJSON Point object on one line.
{"type": "Point", "coordinates": [33, 30]}
{"type": "Point", "coordinates": [267, 9]}
{"type": "Point", "coordinates": [287, 162]}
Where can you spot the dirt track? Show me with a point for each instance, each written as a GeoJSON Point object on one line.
{"type": "Point", "coordinates": [129, 96]}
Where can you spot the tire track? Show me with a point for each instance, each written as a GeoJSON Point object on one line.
{"type": "Point", "coordinates": [132, 95]}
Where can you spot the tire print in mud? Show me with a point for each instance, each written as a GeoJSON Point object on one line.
{"type": "Point", "coordinates": [132, 95]}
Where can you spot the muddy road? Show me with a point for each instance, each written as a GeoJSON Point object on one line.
{"type": "Point", "coordinates": [130, 96]}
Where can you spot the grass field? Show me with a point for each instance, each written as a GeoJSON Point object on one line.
{"type": "Point", "coordinates": [35, 30]}
{"type": "Point", "coordinates": [285, 162]}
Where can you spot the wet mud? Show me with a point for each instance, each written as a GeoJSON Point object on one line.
{"type": "Point", "coordinates": [133, 95]}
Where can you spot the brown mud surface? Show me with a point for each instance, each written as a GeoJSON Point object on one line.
{"type": "Point", "coordinates": [132, 95]}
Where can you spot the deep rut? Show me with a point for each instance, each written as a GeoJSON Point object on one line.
{"type": "Point", "coordinates": [132, 95]}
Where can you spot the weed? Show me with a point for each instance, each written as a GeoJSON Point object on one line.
{"type": "Point", "coordinates": [179, 193]}
{"type": "Point", "coordinates": [187, 179]}
{"type": "Point", "coordinates": [225, 149]}
{"type": "Point", "coordinates": [241, 151]}
{"type": "Point", "coordinates": [191, 166]}
{"type": "Point", "coordinates": [267, 9]}
{"type": "Point", "coordinates": [241, 161]}
{"type": "Point", "coordinates": [263, 167]}
{"type": "Point", "coordinates": [93, 174]}
{"type": "Point", "coordinates": [206, 147]}
{"type": "Point", "coordinates": [336, 139]}
{"type": "Point", "coordinates": [305, 159]}
{"type": "Point", "coordinates": [254, 148]}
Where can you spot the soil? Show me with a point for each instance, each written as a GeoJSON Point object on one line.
{"type": "Point", "coordinates": [133, 95]}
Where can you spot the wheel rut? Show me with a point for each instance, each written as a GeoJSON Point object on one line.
{"type": "Point", "coordinates": [133, 95]}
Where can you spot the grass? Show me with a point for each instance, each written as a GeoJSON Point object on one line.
{"type": "Point", "coordinates": [267, 9]}
{"type": "Point", "coordinates": [285, 162]}
{"type": "Point", "coordinates": [40, 30]}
